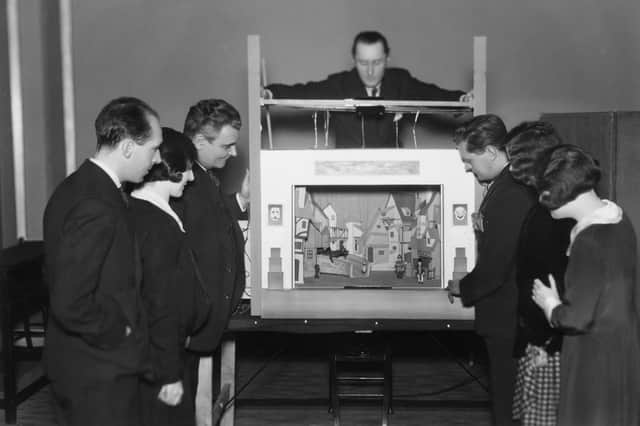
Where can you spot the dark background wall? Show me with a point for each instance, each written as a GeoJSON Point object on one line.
{"type": "Point", "coordinates": [543, 56]}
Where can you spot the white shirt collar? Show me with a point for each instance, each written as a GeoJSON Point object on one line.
{"type": "Point", "coordinates": [108, 171]}
{"type": "Point", "coordinates": [370, 90]}
{"type": "Point", "coordinates": [609, 213]}
{"type": "Point", "coordinates": [145, 194]}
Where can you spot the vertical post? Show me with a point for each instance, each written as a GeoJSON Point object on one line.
{"type": "Point", "coordinates": [266, 109]}
{"type": "Point", "coordinates": [204, 391]}
{"type": "Point", "coordinates": [7, 350]}
{"type": "Point", "coordinates": [479, 90]}
{"type": "Point", "coordinates": [16, 116]}
{"type": "Point", "coordinates": [67, 87]}
{"type": "Point", "coordinates": [228, 377]}
{"type": "Point", "coordinates": [255, 145]}
{"type": "Point", "coordinates": [479, 75]}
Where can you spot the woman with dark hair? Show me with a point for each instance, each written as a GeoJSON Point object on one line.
{"type": "Point", "coordinates": [541, 251]}
{"type": "Point", "coordinates": [526, 144]}
{"type": "Point", "coordinates": [599, 312]}
{"type": "Point", "coordinates": [175, 300]}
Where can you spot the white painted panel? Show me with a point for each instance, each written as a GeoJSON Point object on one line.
{"type": "Point", "coordinates": [282, 170]}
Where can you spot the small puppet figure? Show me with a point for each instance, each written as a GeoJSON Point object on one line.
{"type": "Point", "coordinates": [420, 271]}
{"type": "Point", "coordinates": [400, 267]}
{"type": "Point", "coordinates": [316, 269]}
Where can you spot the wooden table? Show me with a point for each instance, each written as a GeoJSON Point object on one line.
{"type": "Point", "coordinates": [246, 324]}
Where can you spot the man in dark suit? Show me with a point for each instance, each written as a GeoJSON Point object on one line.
{"type": "Point", "coordinates": [210, 220]}
{"type": "Point", "coordinates": [491, 286]}
{"type": "Point", "coordinates": [97, 333]}
{"type": "Point", "coordinates": [370, 77]}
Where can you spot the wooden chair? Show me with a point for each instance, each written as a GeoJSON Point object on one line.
{"type": "Point", "coordinates": [24, 303]}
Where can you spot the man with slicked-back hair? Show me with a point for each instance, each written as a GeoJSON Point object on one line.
{"type": "Point", "coordinates": [370, 77]}
{"type": "Point", "coordinates": [96, 342]}
{"type": "Point", "coordinates": [210, 219]}
{"type": "Point", "coordinates": [491, 286]}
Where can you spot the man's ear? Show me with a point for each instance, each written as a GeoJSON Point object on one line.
{"type": "Point", "coordinates": [127, 146]}
{"type": "Point", "coordinates": [492, 151]}
{"type": "Point", "coordinates": [199, 141]}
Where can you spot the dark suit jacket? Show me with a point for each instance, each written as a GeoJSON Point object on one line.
{"type": "Point", "coordinates": [176, 301]}
{"type": "Point", "coordinates": [397, 84]}
{"type": "Point", "coordinates": [93, 279]}
{"type": "Point", "coordinates": [491, 285]}
{"type": "Point", "coordinates": [210, 220]}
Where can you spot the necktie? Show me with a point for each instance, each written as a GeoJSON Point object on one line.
{"type": "Point", "coordinates": [125, 197]}
{"type": "Point", "coordinates": [214, 178]}
{"type": "Point", "coordinates": [374, 92]}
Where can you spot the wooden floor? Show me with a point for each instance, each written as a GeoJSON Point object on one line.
{"type": "Point", "coordinates": [286, 380]}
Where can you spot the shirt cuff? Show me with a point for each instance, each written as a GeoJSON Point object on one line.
{"type": "Point", "coordinates": [243, 208]}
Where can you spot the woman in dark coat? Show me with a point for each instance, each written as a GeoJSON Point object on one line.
{"type": "Point", "coordinates": [542, 251]}
{"type": "Point", "coordinates": [175, 300]}
{"type": "Point", "coordinates": [599, 312]}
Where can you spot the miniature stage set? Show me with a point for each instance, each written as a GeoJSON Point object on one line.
{"type": "Point", "coordinates": [359, 233]}
{"type": "Point", "coordinates": [360, 237]}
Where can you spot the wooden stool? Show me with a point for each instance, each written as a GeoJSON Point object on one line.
{"type": "Point", "coordinates": [363, 374]}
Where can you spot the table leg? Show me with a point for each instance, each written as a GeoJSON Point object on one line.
{"type": "Point", "coordinates": [204, 393]}
{"type": "Point", "coordinates": [228, 377]}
